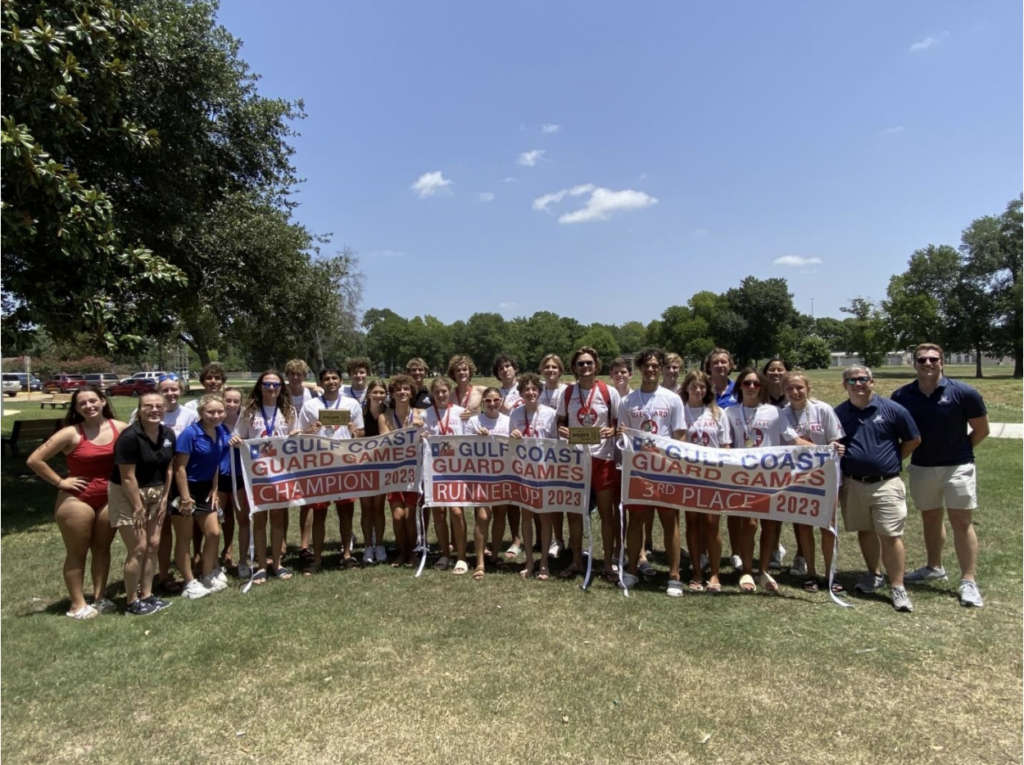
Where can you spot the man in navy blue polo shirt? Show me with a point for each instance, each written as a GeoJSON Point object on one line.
{"type": "Point", "coordinates": [953, 420]}
{"type": "Point", "coordinates": [880, 434]}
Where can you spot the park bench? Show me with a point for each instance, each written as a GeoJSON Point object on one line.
{"type": "Point", "coordinates": [56, 399]}
{"type": "Point", "coordinates": [30, 430]}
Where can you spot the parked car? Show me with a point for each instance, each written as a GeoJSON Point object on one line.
{"type": "Point", "coordinates": [28, 382]}
{"type": "Point", "coordinates": [101, 380]}
{"type": "Point", "coordinates": [11, 387]}
{"type": "Point", "coordinates": [64, 383]}
{"type": "Point", "coordinates": [133, 386]}
{"type": "Point", "coordinates": [186, 389]}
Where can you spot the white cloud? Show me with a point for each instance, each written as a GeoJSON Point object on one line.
{"type": "Point", "coordinates": [892, 130]}
{"type": "Point", "coordinates": [928, 42]}
{"type": "Point", "coordinates": [548, 128]}
{"type": "Point", "coordinates": [530, 158]}
{"type": "Point", "coordinates": [510, 179]}
{"type": "Point", "coordinates": [385, 253]}
{"type": "Point", "coordinates": [485, 196]}
{"type": "Point", "coordinates": [599, 206]}
{"type": "Point", "coordinates": [795, 260]}
{"type": "Point", "coordinates": [508, 305]}
{"type": "Point", "coordinates": [429, 184]}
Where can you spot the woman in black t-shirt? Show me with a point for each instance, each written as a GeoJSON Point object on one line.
{"type": "Point", "coordinates": [137, 499]}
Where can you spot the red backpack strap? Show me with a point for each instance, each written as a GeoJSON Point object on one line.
{"type": "Point", "coordinates": [568, 399]}
{"type": "Point", "coordinates": [602, 388]}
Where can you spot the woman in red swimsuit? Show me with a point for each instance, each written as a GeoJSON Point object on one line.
{"type": "Point", "coordinates": [87, 442]}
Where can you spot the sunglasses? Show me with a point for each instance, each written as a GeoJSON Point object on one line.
{"type": "Point", "coordinates": [271, 386]}
{"type": "Point", "coordinates": [751, 384]}
{"type": "Point", "coordinates": [928, 360]}
{"type": "Point", "coordinates": [172, 377]}
{"type": "Point", "coordinates": [584, 363]}
{"type": "Point", "coordinates": [858, 380]}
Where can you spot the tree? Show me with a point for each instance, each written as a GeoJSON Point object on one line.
{"type": "Point", "coordinates": [767, 308]}
{"type": "Point", "coordinates": [602, 341]}
{"type": "Point", "coordinates": [812, 352]}
{"type": "Point", "coordinates": [543, 333]}
{"type": "Point", "coordinates": [385, 333]}
{"type": "Point", "coordinates": [833, 332]}
{"type": "Point", "coordinates": [866, 331]}
{"type": "Point", "coordinates": [923, 304]}
{"type": "Point", "coordinates": [483, 337]}
{"type": "Point", "coordinates": [631, 336]}
{"type": "Point", "coordinates": [992, 251]}
{"type": "Point", "coordinates": [67, 261]}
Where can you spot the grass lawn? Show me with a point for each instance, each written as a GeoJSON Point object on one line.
{"type": "Point", "coordinates": [375, 666]}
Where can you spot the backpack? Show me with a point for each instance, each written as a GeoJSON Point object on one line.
{"type": "Point", "coordinates": [602, 388]}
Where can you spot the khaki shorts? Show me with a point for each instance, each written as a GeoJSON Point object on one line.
{"type": "Point", "coordinates": [879, 507]}
{"type": "Point", "coordinates": [120, 508]}
{"type": "Point", "coordinates": [954, 487]}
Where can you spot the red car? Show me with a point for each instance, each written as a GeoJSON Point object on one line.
{"type": "Point", "coordinates": [64, 383]}
{"type": "Point", "coordinates": [133, 386]}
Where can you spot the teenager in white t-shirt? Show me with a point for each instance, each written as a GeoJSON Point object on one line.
{"type": "Point", "coordinates": [706, 425]}
{"type": "Point", "coordinates": [401, 414]}
{"type": "Point", "coordinates": [505, 368]}
{"type": "Point", "coordinates": [551, 369]}
{"type": "Point", "coordinates": [807, 421]}
{"type": "Point", "coordinates": [658, 411]}
{"type": "Point", "coordinates": [755, 423]}
{"type": "Point", "coordinates": [268, 412]}
{"type": "Point", "coordinates": [670, 372]}
{"type": "Point", "coordinates": [295, 373]}
{"type": "Point", "coordinates": [372, 509]}
{"type": "Point", "coordinates": [591, 403]}
{"type": "Point", "coordinates": [444, 418]}
{"type": "Point", "coordinates": [213, 377]}
{"type": "Point", "coordinates": [489, 422]}
{"type": "Point", "coordinates": [534, 420]}
{"type": "Point", "coordinates": [358, 374]}
{"type": "Point", "coordinates": [310, 424]}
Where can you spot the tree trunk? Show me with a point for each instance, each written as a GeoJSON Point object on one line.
{"type": "Point", "coordinates": [977, 363]}
{"type": "Point", "coordinates": [201, 350]}
{"type": "Point", "coordinates": [1018, 372]}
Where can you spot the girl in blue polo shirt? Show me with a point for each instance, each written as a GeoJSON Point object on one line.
{"type": "Point", "coordinates": [197, 457]}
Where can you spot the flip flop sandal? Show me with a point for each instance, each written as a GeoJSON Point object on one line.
{"type": "Point", "coordinates": [350, 563]}
{"type": "Point", "coordinates": [811, 584]}
{"type": "Point", "coordinates": [460, 568]}
{"type": "Point", "coordinates": [526, 573]}
{"type": "Point", "coordinates": [513, 552]}
{"type": "Point", "coordinates": [714, 589]}
{"type": "Point", "coordinates": [260, 577]}
{"type": "Point", "coordinates": [837, 588]}
{"type": "Point", "coordinates": [311, 569]}
{"type": "Point", "coordinates": [695, 586]}
{"type": "Point", "coordinates": [442, 563]}
{"type": "Point", "coordinates": [569, 573]}
{"type": "Point", "coordinates": [542, 575]}
{"type": "Point", "coordinates": [647, 569]}
{"type": "Point", "coordinates": [306, 555]}
{"type": "Point", "coordinates": [769, 584]}
{"type": "Point", "coordinates": [747, 584]}
{"type": "Point", "coordinates": [283, 574]}
{"type": "Point", "coordinates": [478, 574]}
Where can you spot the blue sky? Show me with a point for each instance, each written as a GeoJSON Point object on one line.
{"type": "Point", "coordinates": [605, 160]}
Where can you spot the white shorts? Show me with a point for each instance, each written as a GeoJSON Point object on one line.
{"type": "Point", "coordinates": [954, 487]}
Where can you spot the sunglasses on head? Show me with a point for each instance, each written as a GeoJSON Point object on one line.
{"type": "Point", "coordinates": [172, 377]}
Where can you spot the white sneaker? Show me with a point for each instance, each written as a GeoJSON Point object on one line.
{"type": "Point", "coordinates": [777, 555]}
{"type": "Point", "coordinates": [737, 562]}
{"type": "Point", "coordinates": [368, 555]}
{"type": "Point", "coordinates": [194, 590]}
{"type": "Point", "coordinates": [969, 594]}
{"type": "Point", "coordinates": [555, 550]}
{"type": "Point", "coordinates": [213, 584]}
{"type": "Point", "coordinates": [380, 552]}
{"type": "Point", "coordinates": [220, 576]}
{"type": "Point", "coordinates": [900, 600]}
{"type": "Point", "coordinates": [799, 567]}
{"type": "Point", "coordinates": [926, 574]}
{"type": "Point", "coordinates": [244, 572]}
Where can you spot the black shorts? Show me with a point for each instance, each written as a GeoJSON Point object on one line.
{"type": "Point", "coordinates": [224, 483]}
{"type": "Point", "coordinates": [197, 490]}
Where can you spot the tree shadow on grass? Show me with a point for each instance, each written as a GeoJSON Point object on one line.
{"type": "Point", "coordinates": [27, 500]}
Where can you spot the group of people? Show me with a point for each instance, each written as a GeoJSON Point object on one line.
{"type": "Point", "coordinates": [169, 482]}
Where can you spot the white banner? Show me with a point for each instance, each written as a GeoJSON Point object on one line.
{"type": "Point", "coordinates": [537, 474]}
{"type": "Point", "coordinates": [300, 470]}
{"type": "Point", "coordinates": [795, 484]}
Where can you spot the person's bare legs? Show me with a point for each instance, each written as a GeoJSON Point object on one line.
{"type": "Point", "coordinates": [934, 526]}
{"type": "Point", "coordinates": [399, 513]}
{"type": "Point", "coordinates": [305, 526]}
{"type": "Point", "coordinates": [527, 518]}
{"type": "Point", "coordinates": [441, 529]}
{"type": "Point", "coordinates": [244, 528]}
{"type": "Point", "coordinates": [713, 537]}
{"type": "Point", "coordinates": [166, 551]}
{"type": "Point", "coordinates": [498, 514]}
{"type": "Point", "coordinates": [482, 520]}
{"type": "Point", "coordinates": [149, 561]}
{"type": "Point", "coordinates": [673, 550]}
{"type": "Point", "coordinates": [770, 531]}
{"type": "Point", "coordinates": [894, 558]}
{"type": "Point", "coordinates": [693, 526]}
{"type": "Point", "coordinates": [135, 553]}
{"type": "Point", "coordinates": [182, 542]}
{"type": "Point", "coordinates": [259, 538]}
{"type": "Point", "coordinates": [227, 531]}
{"type": "Point", "coordinates": [805, 547]}
{"type": "Point", "coordinates": [458, 524]}
{"type": "Point", "coordinates": [749, 531]}
{"type": "Point", "coordinates": [75, 520]}
{"type": "Point", "coordinates": [609, 528]}
{"type": "Point", "coordinates": [278, 529]}
{"type": "Point", "coordinates": [318, 535]}
{"type": "Point", "coordinates": [545, 543]}
{"type": "Point", "coordinates": [871, 549]}
{"type": "Point", "coordinates": [513, 513]}
{"type": "Point", "coordinates": [346, 513]}
{"type": "Point", "coordinates": [736, 527]}
{"type": "Point", "coordinates": [636, 521]}
{"type": "Point", "coordinates": [576, 542]}
{"type": "Point", "coordinates": [965, 541]}
{"type": "Point", "coordinates": [210, 525]}
{"type": "Point", "coordinates": [102, 538]}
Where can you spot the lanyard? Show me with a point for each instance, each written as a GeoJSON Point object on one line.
{"type": "Point", "coordinates": [464, 403]}
{"type": "Point", "coordinates": [442, 427]}
{"type": "Point", "coordinates": [548, 395]}
{"type": "Point", "coordinates": [526, 419]}
{"type": "Point", "coordinates": [352, 394]}
{"type": "Point", "coordinates": [337, 403]}
{"type": "Point", "coordinates": [747, 421]}
{"type": "Point", "coordinates": [506, 393]}
{"type": "Point", "coordinates": [585, 408]}
{"type": "Point", "coordinates": [398, 422]}
{"type": "Point", "coordinates": [268, 422]}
